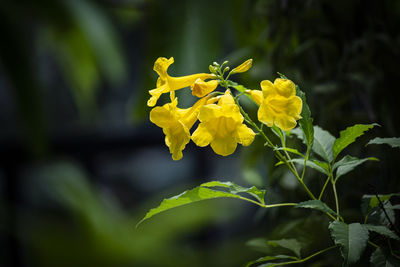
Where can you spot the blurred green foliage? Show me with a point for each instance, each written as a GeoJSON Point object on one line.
{"type": "Point", "coordinates": [82, 55]}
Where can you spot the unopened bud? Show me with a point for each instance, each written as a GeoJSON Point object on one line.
{"type": "Point", "coordinates": [245, 66]}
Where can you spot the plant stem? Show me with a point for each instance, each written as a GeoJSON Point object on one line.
{"type": "Point", "coordinates": [336, 199]}
{"type": "Point", "coordinates": [280, 205]}
{"type": "Point", "coordinates": [302, 260]}
{"type": "Point", "coordinates": [305, 162]}
{"type": "Point", "coordinates": [323, 188]}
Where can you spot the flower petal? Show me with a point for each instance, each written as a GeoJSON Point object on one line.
{"type": "Point", "coordinates": [162, 116]}
{"type": "Point", "coordinates": [161, 66]}
{"type": "Point", "coordinates": [244, 135]}
{"type": "Point", "coordinates": [224, 146]}
{"type": "Point", "coordinates": [201, 88]}
{"type": "Point", "coordinates": [257, 96]}
{"type": "Point", "coordinates": [155, 94]}
{"type": "Point", "coordinates": [176, 138]}
{"type": "Point", "coordinates": [202, 137]}
{"type": "Point", "coordinates": [295, 105]}
{"type": "Point", "coordinates": [226, 99]}
{"type": "Point", "coordinates": [268, 88]}
{"type": "Point", "coordinates": [209, 112]}
{"type": "Point", "coordinates": [285, 87]}
{"type": "Point", "coordinates": [285, 122]}
{"type": "Point", "coordinates": [266, 115]}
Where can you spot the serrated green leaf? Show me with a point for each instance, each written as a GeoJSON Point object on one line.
{"type": "Point", "coordinates": [235, 189]}
{"type": "Point", "coordinates": [349, 135]}
{"type": "Point", "coordinates": [383, 258]}
{"type": "Point", "coordinates": [317, 205]}
{"type": "Point", "coordinates": [391, 141]}
{"type": "Point", "coordinates": [323, 143]}
{"type": "Point", "coordinates": [382, 230]}
{"type": "Point", "coordinates": [349, 163]}
{"type": "Point", "coordinates": [204, 192]}
{"type": "Point", "coordinates": [352, 239]}
{"type": "Point", "coordinates": [316, 165]}
{"type": "Point", "coordinates": [270, 258]}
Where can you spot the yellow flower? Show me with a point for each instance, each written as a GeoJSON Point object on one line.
{"type": "Point", "coordinates": [201, 88]}
{"type": "Point", "coordinates": [245, 66]}
{"type": "Point", "coordinates": [279, 104]}
{"type": "Point", "coordinates": [166, 83]}
{"type": "Point", "coordinates": [176, 123]}
{"type": "Point", "coordinates": [221, 125]}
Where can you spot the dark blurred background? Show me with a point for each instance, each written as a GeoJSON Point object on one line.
{"type": "Point", "coordinates": [80, 163]}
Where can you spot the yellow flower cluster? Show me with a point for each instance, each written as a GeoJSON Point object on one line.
{"type": "Point", "coordinates": [220, 121]}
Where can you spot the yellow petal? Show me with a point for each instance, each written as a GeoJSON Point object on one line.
{"type": "Point", "coordinates": [209, 112]}
{"type": "Point", "coordinates": [285, 122]}
{"type": "Point", "coordinates": [176, 138]}
{"type": "Point", "coordinates": [226, 99]}
{"type": "Point", "coordinates": [245, 66]}
{"type": "Point", "coordinates": [295, 106]}
{"type": "Point", "coordinates": [257, 96]}
{"type": "Point", "coordinates": [202, 137]}
{"type": "Point", "coordinates": [266, 115]}
{"type": "Point", "coordinates": [232, 111]}
{"type": "Point", "coordinates": [176, 83]}
{"type": "Point", "coordinates": [285, 87]}
{"type": "Point", "coordinates": [161, 66]}
{"type": "Point", "coordinates": [162, 116]}
{"type": "Point", "coordinates": [224, 146]}
{"type": "Point", "coordinates": [268, 88]}
{"type": "Point", "coordinates": [244, 135]}
{"type": "Point", "coordinates": [189, 117]}
{"type": "Point", "coordinates": [201, 88]}
{"type": "Point", "coordinates": [155, 95]}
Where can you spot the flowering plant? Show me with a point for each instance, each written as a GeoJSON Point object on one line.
{"type": "Point", "coordinates": [223, 123]}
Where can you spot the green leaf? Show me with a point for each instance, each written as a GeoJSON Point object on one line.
{"type": "Point", "coordinates": [323, 142]}
{"type": "Point", "coordinates": [369, 202]}
{"type": "Point", "coordinates": [291, 150]}
{"type": "Point", "coordinates": [306, 122]}
{"type": "Point", "coordinates": [352, 239]}
{"type": "Point", "coordinates": [315, 164]}
{"type": "Point", "coordinates": [204, 192]}
{"type": "Point", "coordinates": [269, 246]}
{"type": "Point", "coordinates": [348, 136]}
{"type": "Point", "coordinates": [392, 141]}
{"type": "Point", "coordinates": [235, 189]}
{"type": "Point", "coordinates": [271, 258]}
{"type": "Point", "coordinates": [290, 244]}
{"type": "Point", "coordinates": [382, 230]}
{"type": "Point", "coordinates": [348, 163]}
{"type": "Point", "coordinates": [317, 205]}
{"type": "Point", "coordinates": [383, 258]}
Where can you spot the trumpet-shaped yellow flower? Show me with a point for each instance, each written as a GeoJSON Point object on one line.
{"type": "Point", "coordinates": [176, 123]}
{"type": "Point", "coordinates": [279, 104]}
{"type": "Point", "coordinates": [221, 126]}
{"type": "Point", "coordinates": [166, 83]}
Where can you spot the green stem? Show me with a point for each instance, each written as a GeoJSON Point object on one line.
{"type": "Point", "coordinates": [373, 244]}
{"type": "Point", "coordinates": [323, 188]}
{"type": "Point", "coordinates": [336, 198]}
{"type": "Point", "coordinates": [302, 260]}
{"type": "Point", "coordinates": [305, 162]}
{"type": "Point", "coordinates": [280, 205]}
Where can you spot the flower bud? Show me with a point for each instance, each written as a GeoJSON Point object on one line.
{"type": "Point", "coordinates": [245, 66]}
